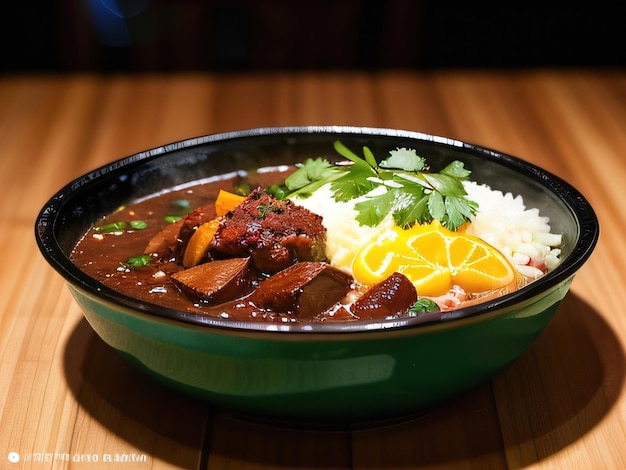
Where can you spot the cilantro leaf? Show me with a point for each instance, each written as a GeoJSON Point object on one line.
{"type": "Point", "coordinates": [311, 170]}
{"type": "Point", "coordinates": [401, 186]}
{"type": "Point", "coordinates": [456, 169]}
{"type": "Point", "coordinates": [373, 210]}
{"type": "Point", "coordinates": [355, 183]}
{"type": "Point", "coordinates": [312, 175]}
{"type": "Point", "coordinates": [411, 205]}
{"type": "Point", "coordinates": [353, 157]}
{"type": "Point", "coordinates": [404, 159]}
{"type": "Point", "coordinates": [459, 210]}
{"type": "Point", "coordinates": [436, 206]}
{"type": "Point", "coordinates": [454, 216]}
{"type": "Point", "coordinates": [423, 305]}
{"type": "Point", "coordinates": [369, 157]}
{"type": "Point", "coordinates": [444, 184]}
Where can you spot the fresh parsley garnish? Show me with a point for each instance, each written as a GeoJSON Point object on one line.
{"type": "Point", "coordinates": [423, 305]}
{"type": "Point", "coordinates": [313, 174]}
{"type": "Point", "coordinates": [404, 159]}
{"type": "Point", "coordinates": [401, 185]}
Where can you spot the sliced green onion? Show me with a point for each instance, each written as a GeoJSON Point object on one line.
{"type": "Point", "coordinates": [277, 191]}
{"type": "Point", "coordinates": [138, 261]}
{"type": "Point", "coordinates": [138, 224]}
{"type": "Point", "coordinates": [111, 228]}
{"type": "Point", "coordinates": [243, 189]}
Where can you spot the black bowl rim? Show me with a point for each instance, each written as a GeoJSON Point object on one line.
{"type": "Point", "coordinates": [577, 204]}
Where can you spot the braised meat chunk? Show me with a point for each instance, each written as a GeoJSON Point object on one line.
{"type": "Point", "coordinates": [165, 244]}
{"type": "Point", "coordinates": [215, 281]}
{"type": "Point", "coordinates": [193, 220]}
{"type": "Point", "coordinates": [390, 297]}
{"type": "Point", "coordinates": [304, 289]}
{"type": "Point", "coordinates": [274, 233]}
{"type": "Point", "coordinates": [172, 238]}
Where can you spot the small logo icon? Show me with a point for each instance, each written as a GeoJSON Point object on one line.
{"type": "Point", "coordinates": [13, 457]}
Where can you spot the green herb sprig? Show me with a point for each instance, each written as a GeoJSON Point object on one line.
{"type": "Point", "coordinates": [401, 185]}
{"type": "Point", "coordinates": [423, 305]}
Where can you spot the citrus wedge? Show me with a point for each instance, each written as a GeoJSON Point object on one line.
{"type": "Point", "coordinates": [435, 259]}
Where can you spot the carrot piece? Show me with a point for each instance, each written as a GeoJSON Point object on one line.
{"type": "Point", "coordinates": [199, 243]}
{"type": "Point", "coordinates": [226, 202]}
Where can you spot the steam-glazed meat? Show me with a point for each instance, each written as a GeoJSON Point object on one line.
{"type": "Point", "coordinates": [215, 281]}
{"type": "Point", "coordinates": [165, 243]}
{"type": "Point", "coordinates": [390, 297]}
{"type": "Point", "coordinates": [171, 238]}
{"type": "Point", "coordinates": [305, 289]}
{"type": "Point", "coordinates": [274, 233]}
{"type": "Point", "coordinates": [193, 220]}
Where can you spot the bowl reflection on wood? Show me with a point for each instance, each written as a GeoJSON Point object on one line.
{"type": "Point", "coordinates": [358, 371]}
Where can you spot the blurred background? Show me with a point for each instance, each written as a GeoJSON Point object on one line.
{"type": "Point", "coordinates": [237, 35]}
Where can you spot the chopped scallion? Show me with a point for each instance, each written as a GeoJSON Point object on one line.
{"type": "Point", "coordinates": [138, 224]}
{"type": "Point", "coordinates": [111, 228]}
{"type": "Point", "coordinates": [138, 261]}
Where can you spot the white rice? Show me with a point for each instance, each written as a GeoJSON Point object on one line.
{"type": "Point", "coordinates": [522, 234]}
{"type": "Point", "coordinates": [344, 235]}
{"type": "Point", "coordinates": [503, 221]}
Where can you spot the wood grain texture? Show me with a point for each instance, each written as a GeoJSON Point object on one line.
{"type": "Point", "coordinates": [67, 398]}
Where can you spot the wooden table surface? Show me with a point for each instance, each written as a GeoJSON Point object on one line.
{"type": "Point", "coordinates": [68, 401]}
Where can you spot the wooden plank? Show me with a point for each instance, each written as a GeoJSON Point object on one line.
{"type": "Point", "coordinates": [66, 396]}
{"type": "Point", "coordinates": [248, 445]}
{"type": "Point", "coordinates": [461, 434]}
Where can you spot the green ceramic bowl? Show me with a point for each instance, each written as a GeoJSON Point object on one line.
{"type": "Point", "coordinates": [355, 372]}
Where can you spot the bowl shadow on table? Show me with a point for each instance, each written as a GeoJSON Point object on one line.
{"type": "Point", "coordinates": [587, 361]}
{"type": "Point", "coordinates": [128, 403]}
{"type": "Point", "coordinates": [554, 394]}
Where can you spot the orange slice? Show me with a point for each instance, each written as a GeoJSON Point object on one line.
{"type": "Point", "coordinates": [435, 259]}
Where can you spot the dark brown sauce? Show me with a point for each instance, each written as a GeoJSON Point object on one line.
{"type": "Point", "coordinates": [102, 255]}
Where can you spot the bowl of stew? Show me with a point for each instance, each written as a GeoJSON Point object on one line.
{"type": "Point", "coordinates": [319, 274]}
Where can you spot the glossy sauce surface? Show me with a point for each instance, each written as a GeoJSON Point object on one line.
{"type": "Point", "coordinates": [104, 255]}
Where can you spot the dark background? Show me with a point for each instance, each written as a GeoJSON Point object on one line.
{"type": "Point", "coordinates": [227, 35]}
